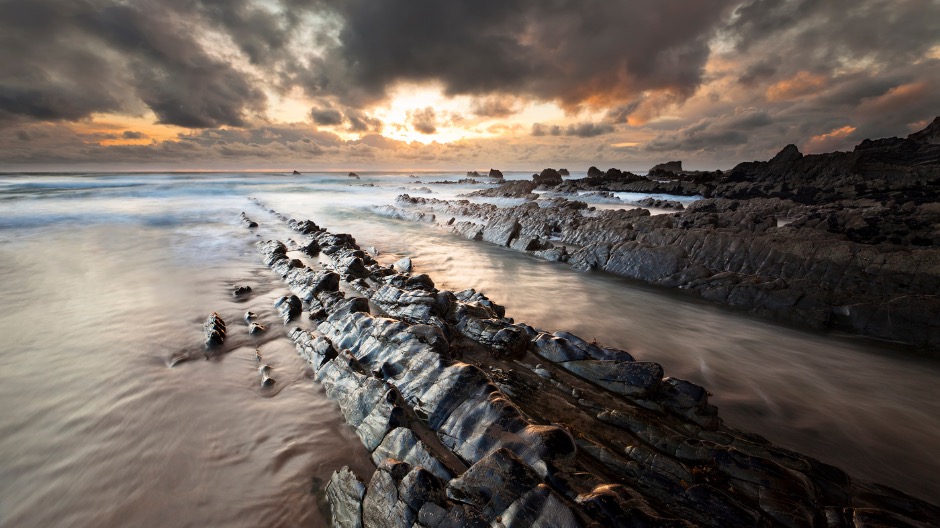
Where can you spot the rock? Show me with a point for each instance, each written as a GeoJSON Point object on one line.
{"type": "Point", "coordinates": [353, 175]}
{"type": "Point", "coordinates": [427, 401]}
{"type": "Point", "coordinates": [345, 493]}
{"type": "Point", "coordinates": [495, 173]}
{"type": "Point", "coordinates": [494, 483]}
{"type": "Point", "coordinates": [547, 178]}
{"type": "Point", "coordinates": [255, 328]}
{"type": "Point", "coordinates": [564, 172]}
{"type": "Point", "coordinates": [630, 378]}
{"type": "Point", "coordinates": [248, 221]}
{"type": "Point", "coordinates": [288, 307]}
{"type": "Point", "coordinates": [594, 172]}
{"type": "Point", "coordinates": [381, 506]}
{"type": "Point", "coordinates": [296, 173]}
{"type": "Point", "coordinates": [402, 444]}
{"type": "Point", "coordinates": [669, 166]}
{"type": "Point", "coordinates": [501, 231]}
{"type": "Point", "coordinates": [266, 379]}
{"type": "Point", "coordinates": [403, 265]}
{"type": "Point", "coordinates": [214, 328]}
{"type": "Point", "coordinates": [241, 290]}
{"type": "Point", "coordinates": [789, 154]}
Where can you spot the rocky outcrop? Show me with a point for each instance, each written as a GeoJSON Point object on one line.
{"type": "Point", "coordinates": [547, 178]}
{"type": "Point", "coordinates": [496, 173]}
{"type": "Point", "coordinates": [475, 420]}
{"type": "Point", "coordinates": [887, 170]}
{"type": "Point", "coordinates": [510, 189]}
{"type": "Point", "coordinates": [860, 266]}
{"type": "Point", "coordinates": [669, 166]}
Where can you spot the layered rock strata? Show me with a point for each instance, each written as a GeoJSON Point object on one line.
{"type": "Point", "coordinates": [475, 420]}
{"type": "Point", "coordinates": [841, 240]}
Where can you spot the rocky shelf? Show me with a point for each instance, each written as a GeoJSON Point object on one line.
{"type": "Point", "coordinates": [842, 240]}
{"type": "Point", "coordinates": [473, 419]}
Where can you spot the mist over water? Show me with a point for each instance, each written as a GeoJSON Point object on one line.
{"type": "Point", "coordinates": [105, 278]}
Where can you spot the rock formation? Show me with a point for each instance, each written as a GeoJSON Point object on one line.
{"type": "Point", "coordinates": [475, 420]}
{"type": "Point", "coordinates": [843, 240]}
{"type": "Point", "coordinates": [548, 178]}
{"type": "Point", "coordinates": [669, 166]}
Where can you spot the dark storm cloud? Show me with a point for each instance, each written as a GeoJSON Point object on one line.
{"type": "Point", "coordinates": [326, 116]}
{"type": "Point", "coordinates": [132, 134]}
{"type": "Point", "coordinates": [586, 130]}
{"type": "Point", "coordinates": [582, 130]}
{"type": "Point", "coordinates": [725, 131]}
{"type": "Point", "coordinates": [65, 60]}
{"type": "Point", "coordinates": [571, 51]}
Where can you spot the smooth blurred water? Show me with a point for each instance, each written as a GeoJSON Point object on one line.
{"type": "Point", "coordinates": [105, 278]}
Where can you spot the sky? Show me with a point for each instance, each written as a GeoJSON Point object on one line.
{"type": "Point", "coordinates": [455, 85]}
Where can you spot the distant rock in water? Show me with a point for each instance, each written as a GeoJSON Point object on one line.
{"type": "Point", "coordinates": [473, 174]}
{"type": "Point", "coordinates": [496, 173]}
{"type": "Point", "coordinates": [594, 172]}
{"type": "Point", "coordinates": [669, 166]}
{"type": "Point", "coordinates": [296, 173]}
{"type": "Point", "coordinates": [548, 177]}
{"type": "Point", "coordinates": [353, 175]}
{"type": "Point", "coordinates": [564, 172]}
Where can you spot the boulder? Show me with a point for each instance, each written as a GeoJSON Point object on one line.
{"type": "Point", "coordinates": [547, 178]}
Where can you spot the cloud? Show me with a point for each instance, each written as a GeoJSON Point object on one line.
{"type": "Point", "coordinates": [326, 116]}
{"type": "Point", "coordinates": [109, 56]}
{"type": "Point", "coordinates": [724, 131]}
{"type": "Point", "coordinates": [716, 80]}
{"type": "Point", "coordinates": [424, 121]}
{"type": "Point", "coordinates": [576, 52]}
{"type": "Point", "coordinates": [538, 129]}
{"type": "Point", "coordinates": [495, 106]}
{"type": "Point", "coordinates": [582, 130]}
{"type": "Point", "coordinates": [131, 134]}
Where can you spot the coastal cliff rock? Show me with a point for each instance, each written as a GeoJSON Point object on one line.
{"type": "Point", "coordinates": [475, 420]}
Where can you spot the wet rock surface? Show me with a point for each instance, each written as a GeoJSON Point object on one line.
{"type": "Point", "coordinates": [475, 420]}
{"type": "Point", "coordinates": [843, 240]}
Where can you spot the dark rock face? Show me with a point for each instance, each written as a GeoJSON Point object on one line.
{"type": "Point", "coordinates": [296, 173]}
{"type": "Point", "coordinates": [454, 402]}
{"type": "Point", "coordinates": [548, 178]}
{"type": "Point", "coordinates": [496, 173]}
{"type": "Point", "coordinates": [594, 172]}
{"type": "Point", "coordinates": [669, 166]}
{"type": "Point", "coordinates": [564, 172]}
{"type": "Point", "coordinates": [891, 169]}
